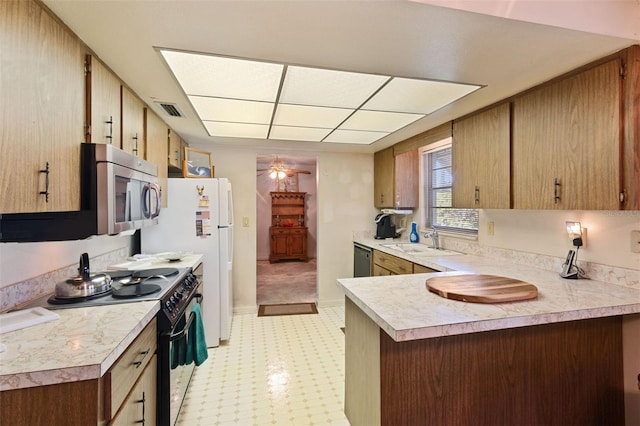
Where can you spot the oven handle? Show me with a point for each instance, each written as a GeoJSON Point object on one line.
{"type": "Point", "coordinates": [179, 334]}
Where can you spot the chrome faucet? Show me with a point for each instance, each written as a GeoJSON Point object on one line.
{"type": "Point", "coordinates": [433, 234]}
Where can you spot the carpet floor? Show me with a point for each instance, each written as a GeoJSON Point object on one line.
{"type": "Point", "coordinates": [286, 282]}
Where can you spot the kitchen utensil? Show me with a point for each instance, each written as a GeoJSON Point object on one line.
{"type": "Point", "coordinates": [85, 284]}
{"type": "Point", "coordinates": [482, 288]}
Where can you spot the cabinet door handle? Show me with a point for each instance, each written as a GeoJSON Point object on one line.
{"type": "Point", "coordinates": [141, 401]}
{"type": "Point", "coordinates": [144, 354]}
{"type": "Point", "coordinates": [135, 138]}
{"type": "Point", "coordinates": [46, 182]}
{"type": "Point", "coordinates": [556, 190]}
{"type": "Point", "coordinates": [476, 195]}
{"type": "Point", "coordinates": [110, 135]}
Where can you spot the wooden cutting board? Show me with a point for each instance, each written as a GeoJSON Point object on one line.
{"type": "Point", "coordinates": [482, 288]}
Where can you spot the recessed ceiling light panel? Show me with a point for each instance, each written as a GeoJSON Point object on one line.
{"type": "Point", "coordinates": [417, 96]}
{"type": "Point", "coordinates": [237, 130]}
{"type": "Point", "coordinates": [236, 97]}
{"type": "Point", "coordinates": [309, 116]}
{"type": "Point", "coordinates": [309, 134]}
{"type": "Point", "coordinates": [217, 109]}
{"type": "Point", "coordinates": [224, 77]}
{"type": "Point", "coordinates": [353, 136]}
{"type": "Point", "coordinates": [379, 121]}
{"type": "Point", "coordinates": [321, 87]}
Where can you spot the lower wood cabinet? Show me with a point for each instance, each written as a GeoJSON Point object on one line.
{"type": "Point", "coordinates": [128, 371]}
{"type": "Point", "coordinates": [288, 243]}
{"type": "Point", "coordinates": [140, 405]}
{"type": "Point", "coordinates": [419, 269]}
{"type": "Point", "coordinates": [386, 264]}
{"type": "Point", "coordinates": [126, 394]}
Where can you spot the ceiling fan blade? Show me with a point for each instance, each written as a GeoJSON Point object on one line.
{"type": "Point", "coordinates": [305, 172]}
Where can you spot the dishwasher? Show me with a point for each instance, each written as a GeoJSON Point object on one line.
{"type": "Point", "coordinates": [361, 260]}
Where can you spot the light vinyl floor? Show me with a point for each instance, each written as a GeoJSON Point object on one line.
{"type": "Point", "coordinates": [283, 370]}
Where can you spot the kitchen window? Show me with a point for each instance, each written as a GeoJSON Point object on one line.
{"type": "Point", "coordinates": [436, 180]}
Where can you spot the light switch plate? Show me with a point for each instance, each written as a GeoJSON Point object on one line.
{"type": "Point", "coordinates": [635, 241]}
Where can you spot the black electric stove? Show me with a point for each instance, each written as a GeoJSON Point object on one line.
{"type": "Point", "coordinates": [127, 287]}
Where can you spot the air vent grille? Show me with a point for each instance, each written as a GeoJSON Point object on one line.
{"type": "Point", "coordinates": [171, 109]}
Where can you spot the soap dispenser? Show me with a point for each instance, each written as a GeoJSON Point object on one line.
{"type": "Point", "coordinates": [413, 237]}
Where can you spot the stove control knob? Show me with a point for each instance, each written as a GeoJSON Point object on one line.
{"type": "Point", "coordinates": [169, 306]}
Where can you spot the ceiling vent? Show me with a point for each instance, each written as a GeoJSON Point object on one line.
{"type": "Point", "coordinates": [171, 109]}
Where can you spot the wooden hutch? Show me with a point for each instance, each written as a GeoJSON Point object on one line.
{"type": "Point", "coordinates": [288, 233]}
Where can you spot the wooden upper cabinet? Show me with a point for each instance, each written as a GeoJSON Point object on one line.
{"type": "Point", "coordinates": [631, 145]}
{"type": "Point", "coordinates": [176, 148]}
{"type": "Point", "coordinates": [566, 143]}
{"type": "Point", "coordinates": [395, 179]}
{"type": "Point", "coordinates": [132, 111]}
{"type": "Point", "coordinates": [156, 133]}
{"type": "Point", "coordinates": [481, 160]}
{"type": "Point", "coordinates": [103, 103]}
{"type": "Point", "coordinates": [42, 108]}
{"type": "Point", "coordinates": [406, 179]}
{"type": "Point", "coordinates": [383, 177]}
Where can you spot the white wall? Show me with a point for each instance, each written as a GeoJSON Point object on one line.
{"type": "Point", "coordinates": [21, 261]}
{"type": "Point", "coordinates": [344, 205]}
{"type": "Point", "coordinates": [544, 232]}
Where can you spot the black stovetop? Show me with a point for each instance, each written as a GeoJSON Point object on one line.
{"type": "Point", "coordinates": [119, 290]}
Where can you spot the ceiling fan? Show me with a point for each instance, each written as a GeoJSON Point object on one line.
{"type": "Point", "coordinates": [278, 170]}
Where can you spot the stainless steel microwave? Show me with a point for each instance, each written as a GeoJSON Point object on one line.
{"type": "Point", "coordinates": [127, 194]}
{"type": "Point", "coordinates": [118, 192]}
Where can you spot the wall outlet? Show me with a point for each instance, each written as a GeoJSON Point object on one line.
{"type": "Point", "coordinates": [490, 228]}
{"type": "Point", "coordinates": [245, 221]}
{"type": "Point", "coordinates": [635, 241]}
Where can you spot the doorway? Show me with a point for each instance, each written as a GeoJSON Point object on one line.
{"type": "Point", "coordinates": [286, 280]}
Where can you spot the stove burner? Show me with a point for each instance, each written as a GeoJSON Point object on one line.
{"type": "Point", "coordinates": [69, 300]}
{"type": "Point", "coordinates": [145, 273]}
{"type": "Point", "coordinates": [137, 290]}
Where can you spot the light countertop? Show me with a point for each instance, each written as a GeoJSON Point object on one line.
{"type": "Point", "coordinates": [403, 307]}
{"type": "Point", "coordinates": [84, 342]}
{"type": "Point", "coordinates": [82, 345]}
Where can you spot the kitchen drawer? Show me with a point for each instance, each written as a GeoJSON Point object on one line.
{"type": "Point", "coordinates": [121, 377]}
{"type": "Point", "coordinates": [298, 231]}
{"type": "Point", "coordinates": [392, 263]}
{"type": "Point", "coordinates": [419, 269]}
{"type": "Point", "coordinates": [379, 271]}
{"type": "Point", "coordinates": [140, 405]}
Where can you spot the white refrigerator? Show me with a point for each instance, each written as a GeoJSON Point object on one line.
{"type": "Point", "coordinates": [199, 218]}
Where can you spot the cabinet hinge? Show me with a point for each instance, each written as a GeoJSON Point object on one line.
{"type": "Point", "coordinates": [623, 70]}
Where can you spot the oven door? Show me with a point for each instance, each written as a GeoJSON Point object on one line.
{"type": "Point", "coordinates": [174, 375]}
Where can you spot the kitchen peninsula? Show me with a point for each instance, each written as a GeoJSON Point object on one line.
{"type": "Point", "coordinates": [413, 357]}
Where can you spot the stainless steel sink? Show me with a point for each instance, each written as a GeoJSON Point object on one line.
{"type": "Point", "coordinates": [419, 249]}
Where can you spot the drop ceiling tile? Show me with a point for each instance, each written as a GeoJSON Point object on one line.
{"type": "Point", "coordinates": [310, 134]}
{"type": "Point", "coordinates": [237, 130]}
{"type": "Point", "coordinates": [224, 77]}
{"type": "Point", "coordinates": [354, 136]}
{"type": "Point", "coordinates": [309, 116]}
{"type": "Point", "coordinates": [379, 121]}
{"type": "Point", "coordinates": [217, 109]}
{"type": "Point", "coordinates": [417, 96]}
{"type": "Point", "coordinates": [322, 87]}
